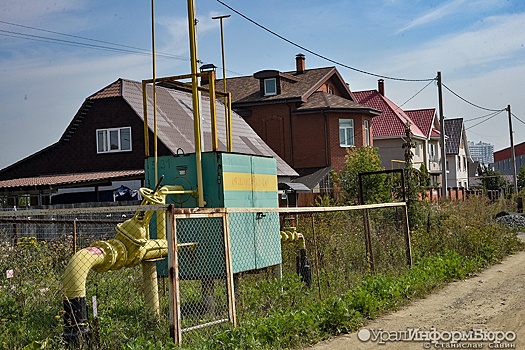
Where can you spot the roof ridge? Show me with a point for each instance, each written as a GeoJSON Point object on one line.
{"type": "Point", "coordinates": [315, 86]}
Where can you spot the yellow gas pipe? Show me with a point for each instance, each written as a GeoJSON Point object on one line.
{"type": "Point", "coordinates": [130, 247]}
{"type": "Point", "coordinates": [303, 267]}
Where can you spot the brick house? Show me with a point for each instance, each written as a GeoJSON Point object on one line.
{"type": "Point", "coordinates": [309, 117]}
{"type": "Point", "coordinates": [103, 147]}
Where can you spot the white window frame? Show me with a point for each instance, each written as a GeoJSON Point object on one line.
{"type": "Point", "coordinates": [106, 140]}
{"type": "Point", "coordinates": [346, 133]}
{"type": "Point", "coordinates": [268, 92]}
{"type": "Point", "coordinates": [367, 132]}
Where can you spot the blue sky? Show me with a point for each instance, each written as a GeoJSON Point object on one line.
{"type": "Point", "coordinates": [478, 45]}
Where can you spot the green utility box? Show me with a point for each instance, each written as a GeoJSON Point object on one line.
{"type": "Point", "coordinates": [230, 180]}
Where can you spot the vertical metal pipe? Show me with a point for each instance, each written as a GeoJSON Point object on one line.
{"type": "Point", "coordinates": [229, 270]}
{"type": "Point", "coordinates": [407, 236]}
{"type": "Point", "coordinates": [145, 112]}
{"type": "Point", "coordinates": [368, 240]}
{"type": "Point", "coordinates": [154, 88]}
{"type": "Point", "coordinates": [150, 287]}
{"type": "Point", "coordinates": [213, 111]}
{"type": "Point", "coordinates": [226, 115]}
{"type": "Point", "coordinates": [173, 275]}
{"type": "Point", "coordinates": [74, 235]}
{"type": "Point", "coordinates": [195, 100]}
{"type": "Point", "coordinates": [316, 256]}
{"type": "Point", "coordinates": [229, 124]}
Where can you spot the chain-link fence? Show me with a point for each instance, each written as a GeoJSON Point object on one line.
{"type": "Point", "coordinates": [99, 277]}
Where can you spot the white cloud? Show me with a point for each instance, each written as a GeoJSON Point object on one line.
{"type": "Point", "coordinates": [177, 39]}
{"type": "Point", "coordinates": [454, 7]}
{"type": "Point", "coordinates": [434, 15]}
{"type": "Point", "coordinates": [497, 39]}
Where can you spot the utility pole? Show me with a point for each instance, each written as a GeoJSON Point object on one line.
{"type": "Point", "coordinates": [442, 138]}
{"type": "Point", "coordinates": [512, 152]}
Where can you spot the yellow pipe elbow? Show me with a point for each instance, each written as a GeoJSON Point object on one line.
{"type": "Point", "coordinates": [75, 275]}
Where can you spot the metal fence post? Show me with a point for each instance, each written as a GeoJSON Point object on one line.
{"type": "Point", "coordinates": [368, 239]}
{"type": "Point", "coordinates": [229, 270]}
{"type": "Point", "coordinates": [173, 272]}
{"type": "Point", "coordinates": [407, 237]}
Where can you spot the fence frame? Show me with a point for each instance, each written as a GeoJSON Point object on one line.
{"type": "Point", "coordinates": [175, 214]}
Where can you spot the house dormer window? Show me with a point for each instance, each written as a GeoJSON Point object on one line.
{"type": "Point", "coordinates": [270, 87]}
{"type": "Point", "coordinates": [114, 140]}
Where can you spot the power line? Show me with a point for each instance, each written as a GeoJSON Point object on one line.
{"type": "Point", "coordinates": [93, 40]}
{"type": "Point", "coordinates": [132, 49]}
{"type": "Point", "coordinates": [483, 121]}
{"type": "Point", "coordinates": [470, 103]}
{"type": "Point", "coordinates": [483, 116]}
{"type": "Point", "coordinates": [417, 93]}
{"type": "Point", "coordinates": [65, 42]}
{"type": "Point", "coordinates": [517, 118]}
{"type": "Point", "coordinates": [315, 53]}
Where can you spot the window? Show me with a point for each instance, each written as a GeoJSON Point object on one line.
{"type": "Point", "coordinates": [330, 89]}
{"type": "Point", "coordinates": [417, 150]}
{"type": "Point", "coordinates": [367, 133]}
{"type": "Point", "coordinates": [432, 152]}
{"type": "Point", "coordinates": [346, 132]}
{"type": "Point", "coordinates": [270, 87]}
{"type": "Point", "coordinates": [114, 140]}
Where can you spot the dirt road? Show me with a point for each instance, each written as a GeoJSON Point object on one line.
{"type": "Point", "coordinates": [491, 301]}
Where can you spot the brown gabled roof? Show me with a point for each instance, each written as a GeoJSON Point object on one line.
{"type": "Point", "coordinates": [69, 179]}
{"type": "Point", "coordinates": [322, 100]}
{"type": "Point", "coordinates": [112, 90]}
{"type": "Point", "coordinates": [247, 89]}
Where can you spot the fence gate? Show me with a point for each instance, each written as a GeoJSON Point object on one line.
{"type": "Point", "coordinates": [200, 272]}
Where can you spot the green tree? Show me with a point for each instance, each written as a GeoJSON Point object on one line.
{"type": "Point", "coordinates": [521, 178]}
{"type": "Point", "coordinates": [361, 160]}
{"type": "Point", "coordinates": [424, 176]}
{"type": "Point", "coordinates": [413, 179]}
{"type": "Point", "coordinates": [492, 179]}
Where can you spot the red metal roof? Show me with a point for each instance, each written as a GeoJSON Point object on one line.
{"type": "Point", "coordinates": [66, 179]}
{"type": "Point", "coordinates": [424, 119]}
{"type": "Point", "coordinates": [392, 121]}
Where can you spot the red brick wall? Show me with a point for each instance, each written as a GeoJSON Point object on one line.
{"type": "Point", "coordinates": [338, 153]}
{"type": "Point", "coordinates": [314, 137]}
{"type": "Point", "coordinates": [272, 124]}
{"type": "Point", "coordinates": [309, 147]}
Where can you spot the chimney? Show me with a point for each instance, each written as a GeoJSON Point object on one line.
{"type": "Point", "coordinates": [381, 86]}
{"type": "Point", "coordinates": [300, 63]}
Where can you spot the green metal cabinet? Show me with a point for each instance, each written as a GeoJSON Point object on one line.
{"type": "Point", "coordinates": [230, 180]}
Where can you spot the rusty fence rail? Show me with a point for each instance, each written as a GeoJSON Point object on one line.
{"type": "Point", "coordinates": [220, 271]}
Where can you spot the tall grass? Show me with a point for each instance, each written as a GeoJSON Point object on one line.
{"type": "Point", "coordinates": [450, 241]}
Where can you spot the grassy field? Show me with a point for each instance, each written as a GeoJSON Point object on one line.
{"type": "Point", "coordinates": [449, 242]}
